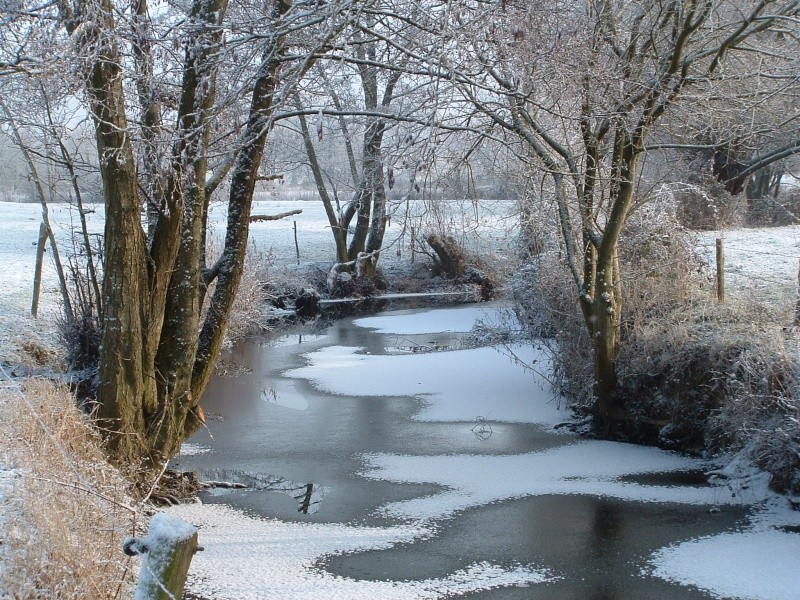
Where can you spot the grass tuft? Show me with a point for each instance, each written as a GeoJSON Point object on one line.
{"type": "Point", "coordinates": [69, 510]}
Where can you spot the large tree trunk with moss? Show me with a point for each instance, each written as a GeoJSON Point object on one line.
{"type": "Point", "coordinates": [154, 366]}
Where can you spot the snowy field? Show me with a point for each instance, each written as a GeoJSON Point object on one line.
{"type": "Point", "coordinates": [487, 226]}
{"type": "Point", "coordinates": [760, 264]}
{"type": "Point", "coordinates": [246, 555]}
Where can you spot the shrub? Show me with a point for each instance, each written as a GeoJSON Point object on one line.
{"type": "Point", "coordinates": [660, 273]}
{"type": "Point", "coordinates": [761, 415]}
{"type": "Point", "coordinates": [774, 211]}
{"type": "Point", "coordinates": [695, 375]}
{"type": "Point", "coordinates": [80, 334]}
{"type": "Point", "coordinates": [707, 205]}
{"type": "Point", "coordinates": [247, 314]}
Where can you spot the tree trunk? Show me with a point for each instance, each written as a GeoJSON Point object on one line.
{"type": "Point", "coordinates": [373, 173]}
{"type": "Point", "coordinates": [601, 300]}
{"type": "Point", "coordinates": [337, 228]}
{"type": "Point", "coordinates": [362, 202]}
{"type": "Point", "coordinates": [605, 327]}
{"type": "Point", "coordinates": [243, 180]}
{"type": "Point", "coordinates": [450, 259]}
{"type": "Point", "coordinates": [153, 365]}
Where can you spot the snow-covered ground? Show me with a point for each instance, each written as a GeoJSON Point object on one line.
{"type": "Point", "coordinates": [760, 264]}
{"type": "Point", "coordinates": [245, 555]}
{"type": "Point", "coordinates": [7, 477]}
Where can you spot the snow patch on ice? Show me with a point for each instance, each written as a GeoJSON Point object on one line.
{"type": "Point", "coordinates": [250, 558]}
{"type": "Point", "coordinates": [453, 388]}
{"type": "Point", "coordinates": [762, 562]}
{"type": "Point", "coordinates": [762, 565]}
{"type": "Point", "coordinates": [461, 319]}
{"type": "Point", "coordinates": [192, 449]}
{"type": "Point", "coordinates": [589, 467]}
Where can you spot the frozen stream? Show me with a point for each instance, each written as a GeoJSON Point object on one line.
{"type": "Point", "coordinates": [384, 460]}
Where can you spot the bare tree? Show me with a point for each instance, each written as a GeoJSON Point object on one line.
{"type": "Point", "coordinates": [157, 355]}
{"type": "Point", "coordinates": [365, 111]}
{"type": "Point", "coordinates": [581, 87]}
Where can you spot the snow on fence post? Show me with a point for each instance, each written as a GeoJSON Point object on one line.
{"type": "Point", "coordinates": [720, 271]}
{"type": "Point", "coordinates": [166, 553]}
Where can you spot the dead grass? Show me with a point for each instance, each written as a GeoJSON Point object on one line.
{"type": "Point", "coordinates": [69, 510]}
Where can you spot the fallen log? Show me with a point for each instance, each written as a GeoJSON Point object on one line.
{"type": "Point", "coordinates": [279, 216]}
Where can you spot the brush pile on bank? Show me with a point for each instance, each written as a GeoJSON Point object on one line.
{"type": "Point", "coordinates": [695, 375]}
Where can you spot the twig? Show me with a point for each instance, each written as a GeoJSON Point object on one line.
{"type": "Point", "coordinates": [81, 488]}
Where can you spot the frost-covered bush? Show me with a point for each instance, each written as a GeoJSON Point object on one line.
{"type": "Point", "coordinates": [545, 300]}
{"type": "Point", "coordinates": [247, 314]}
{"type": "Point", "coordinates": [720, 379]}
{"type": "Point", "coordinates": [661, 270]}
{"type": "Point", "coordinates": [774, 211]}
{"type": "Point", "coordinates": [706, 205]}
{"type": "Point", "coordinates": [80, 332]}
{"type": "Point", "coordinates": [660, 273]}
{"type": "Point", "coordinates": [760, 416]}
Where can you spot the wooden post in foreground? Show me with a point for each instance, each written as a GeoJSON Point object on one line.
{"type": "Point", "coordinates": [166, 552]}
{"type": "Point", "coordinates": [720, 271]}
{"type": "Point", "coordinates": [37, 273]}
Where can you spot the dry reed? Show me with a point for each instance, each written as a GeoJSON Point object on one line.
{"type": "Point", "coordinates": [69, 510]}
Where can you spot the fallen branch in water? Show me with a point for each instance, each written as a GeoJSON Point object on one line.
{"type": "Point", "coordinates": [233, 485]}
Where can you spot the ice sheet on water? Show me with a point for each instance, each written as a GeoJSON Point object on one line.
{"type": "Point", "coordinates": [251, 558]}
{"type": "Point", "coordinates": [761, 565]}
{"type": "Point", "coordinates": [590, 467]}
{"type": "Point", "coordinates": [461, 319]}
{"type": "Point", "coordinates": [455, 385]}
{"type": "Point", "coordinates": [760, 562]}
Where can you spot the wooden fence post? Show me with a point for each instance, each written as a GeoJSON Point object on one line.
{"type": "Point", "coordinates": [720, 271]}
{"type": "Point", "coordinates": [296, 245]}
{"type": "Point", "coordinates": [37, 273]}
{"type": "Point", "coordinates": [797, 306]}
{"type": "Point", "coordinates": [166, 552]}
